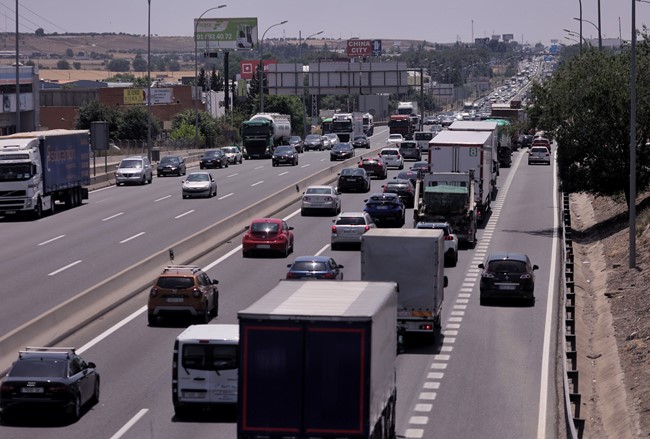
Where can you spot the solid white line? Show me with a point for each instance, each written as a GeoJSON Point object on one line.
{"type": "Point", "coordinates": [132, 237]}
{"type": "Point", "coordinates": [163, 198]}
{"type": "Point", "coordinates": [550, 295]}
{"type": "Point", "coordinates": [325, 247]}
{"type": "Point", "coordinates": [64, 268]}
{"type": "Point", "coordinates": [226, 196]}
{"type": "Point", "coordinates": [223, 258]}
{"type": "Point", "coordinates": [304, 166]}
{"type": "Point", "coordinates": [111, 330]}
{"type": "Point", "coordinates": [259, 182]}
{"type": "Point", "coordinates": [283, 173]}
{"type": "Point", "coordinates": [51, 240]}
{"type": "Point", "coordinates": [183, 214]}
{"type": "Point", "coordinates": [113, 216]}
{"type": "Point", "coordinates": [129, 424]}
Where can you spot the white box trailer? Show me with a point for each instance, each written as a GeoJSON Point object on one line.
{"type": "Point", "coordinates": [414, 258]}
{"type": "Point", "coordinates": [465, 151]}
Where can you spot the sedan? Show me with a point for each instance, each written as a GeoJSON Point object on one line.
{"type": "Point", "coordinates": [268, 235]}
{"type": "Point", "coordinates": [284, 155]}
{"type": "Point", "coordinates": [539, 154]}
{"type": "Point", "coordinates": [395, 139]}
{"type": "Point", "coordinates": [361, 141]}
{"type": "Point", "coordinates": [320, 198]}
{"type": "Point", "coordinates": [313, 142]}
{"type": "Point", "coordinates": [315, 267]}
{"type": "Point", "coordinates": [386, 209]}
{"type": "Point", "coordinates": [171, 165]}
{"type": "Point", "coordinates": [403, 188]}
{"type": "Point", "coordinates": [375, 167]}
{"type": "Point", "coordinates": [234, 154]}
{"type": "Point", "coordinates": [506, 276]}
{"type": "Point", "coordinates": [412, 176]}
{"type": "Point", "coordinates": [213, 158]}
{"type": "Point", "coordinates": [296, 142]}
{"type": "Point", "coordinates": [341, 151]}
{"type": "Point", "coordinates": [353, 179]}
{"type": "Point", "coordinates": [199, 184]}
{"type": "Point", "coordinates": [451, 240]}
{"type": "Point", "coordinates": [421, 167]}
{"type": "Point", "coordinates": [348, 228]}
{"type": "Point", "coordinates": [392, 158]}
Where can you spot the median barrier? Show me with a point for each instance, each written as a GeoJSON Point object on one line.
{"type": "Point", "coordinates": [76, 312]}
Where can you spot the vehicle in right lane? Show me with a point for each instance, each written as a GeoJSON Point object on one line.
{"type": "Point", "coordinates": [199, 184]}
{"type": "Point", "coordinates": [375, 167]}
{"type": "Point", "coordinates": [403, 188]}
{"type": "Point", "coordinates": [392, 158]}
{"type": "Point", "coordinates": [386, 209]}
{"type": "Point", "coordinates": [268, 235]}
{"type": "Point", "coordinates": [507, 275]}
{"type": "Point", "coordinates": [539, 154]}
{"type": "Point", "coordinates": [348, 228]}
{"type": "Point", "coordinates": [361, 141]}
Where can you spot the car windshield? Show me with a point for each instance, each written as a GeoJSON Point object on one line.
{"type": "Point", "coordinates": [265, 227]}
{"type": "Point", "coordinates": [360, 138]}
{"type": "Point", "coordinates": [294, 139]}
{"type": "Point", "coordinates": [383, 199]}
{"type": "Point", "coordinates": [319, 191]}
{"type": "Point", "coordinates": [352, 172]}
{"type": "Point", "coordinates": [175, 282]}
{"type": "Point", "coordinates": [210, 357]}
{"type": "Point", "coordinates": [213, 153]}
{"type": "Point", "coordinates": [169, 160]}
{"type": "Point", "coordinates": [230, 149]}
{"type": "Point", "coordinates": [342, 147]}
{"type": "Point", "coordinates": [39, 367]}
{"type": "Point", "coordinates": [351, 221]}
{"type": "Point", "coordinates": [198, 177]}
{"type": "Point", "coordinates": [283, 149]}
{"type": "Point", "coordinates": [389, 152]}
{"type": "Point", "coordinates": [131, 164]}
{"type": "Point", "coordinates": [313, 137]}
{"type": "Point", "coordinates": [507, 266]}
{"type": "Point", "coordinates": [309, 266]}
{"type": "Point", "coordinates": [407, 145]}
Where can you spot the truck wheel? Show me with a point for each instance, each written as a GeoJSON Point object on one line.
{"type": "Point", "coordinates": [38, 209]}
{"type": "Point", "coordinates": [152, 319]}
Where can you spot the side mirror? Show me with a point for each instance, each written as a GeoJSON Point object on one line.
{"type": "Point", "coordinates": [535, 267]}
{"type": "Point", "coordinates": [481, 266]}
{"type": "Point", "coordinates": [92, 365]}
{"type": "Point", "coordinates": [247, 227]}
{"type": "Point", "coordinates": [215, 282]}
{"type": "Point", "coordinates": [290, 227]}
{"type": "Point", "coordinates": [341, 266]}
{"type": "Point", "coordinates": [289, 265]}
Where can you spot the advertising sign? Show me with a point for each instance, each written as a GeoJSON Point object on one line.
{"type": "Point", "coordinates": [226, 33]}
{"type": "Point", "coordinates": [508, 37]}
{"type": "Point", "coordinates": [138, 96]}
{"type": "Point", "coordinates": [359, 47]}
{"type": "Point", "coordinates": [249, 66]}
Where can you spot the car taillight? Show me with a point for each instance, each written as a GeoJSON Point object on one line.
{"type": "Point", "coordinates": [196, 292]}
{"type": "Point", "coordinates": [57, 388]}
{"type": "Point", "coordinates": [408, 189]}
{"type": "Point", "coordinates": [333, 229]}
{"type": "Point", "coordinates": [153, 292]}
{"type": "Point", "coordinates": [397, 155]}
{"type": "Point", "coordinates": [291, 275]}
{"type": "Point", "coordinates": [525, 276]}
{"type": "Point", "coordinates": [7, 388]}
{"type": "Point", "coordinates": [379, 164]}
{"type": "Point", "coordinates": [328, 276]}
{"type": "Point", "coordinates": [366, 228]}
{"type": "Point", "coordinates": [449, 238]}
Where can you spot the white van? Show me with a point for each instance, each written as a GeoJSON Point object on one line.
{"type": "Point", "coordinates": [205, 367]}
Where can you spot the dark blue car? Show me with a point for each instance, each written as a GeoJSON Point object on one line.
{"type": "Point", "coordinates": [314, 267]}
{"type": "Point", "coordinates": [386, 209]}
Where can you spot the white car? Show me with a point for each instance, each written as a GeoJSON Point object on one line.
{"type": "Point", "coordinates": [234, 154]}
{"type": "Point", "coordinates": [334, 138]}
{"type": "Point", "coordinates": [451, 241]}
{"type": "Point", "coordinates": [348, 228]}
{"type": "Point", "coordinates": [395, 139]}
{"type": "Point", "coordinates": [199, 184]}
{"type": "Point", "coordinates": [392, 158]}
{"type": "Point", "coordinates": [320, 198]}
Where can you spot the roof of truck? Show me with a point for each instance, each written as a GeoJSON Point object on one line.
{"type": "Point", "coordinates": [461, 138]}
{"type": "Point", "coordinates": [34, 134]}
{"type": "Point", "coordinates": [446, 189]}
{"type": "Point", "coordinates": [473, 125]}
{"type": "Point", "coordinates": [210, 332]}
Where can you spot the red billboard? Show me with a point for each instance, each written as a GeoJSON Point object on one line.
{"type": "Point", "coordinates": [247, 67]}
{"type": "Point", "coordinates": [359, 47]}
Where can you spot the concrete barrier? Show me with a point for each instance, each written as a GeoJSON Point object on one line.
{"type": "Point", "coordinates": [76, 312]}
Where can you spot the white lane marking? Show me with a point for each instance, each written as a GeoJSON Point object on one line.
{"type": "Point", "coordinates": [428, 395]}
{"type": "Point", "coordinates": [304, 166]}
{"type": "Point", "coordinates": [283, 173]}
{"type": "Point", "coordinates": [259, 167]}
{"type": "Point", "coordinates": [223, 258]}
{"type": "Point", "coordinates": [226, 196]}
{"type": "Point", "coordinates": [550, 294]}
{"type": "Point", "coordinates": [113, 216]}
{"type": "Point", "coordinates": [441, 357]}
{"type": "Point", "coordinates": [420, 420]}
{"type": "Point", "coordinates": [232, 175]}
{"type": "Point", "coordinates": [259, 182]}
{"type": "Point", "coordinates": [439, 366]}
{"type": "Point", "coordinates": [423, 407]}
{"type": "Point", "coordinates": [162, 198]}
{"type": "Point", "coordinates": [325, 247]}
{"type": "Point", "coordinates": [183, 214]}
{"type": "Point", "coordinates": [111, 330]}
{"type": "Point", "coordinates": [449, 340]}
{"type": "Point", "coordinates": [51, 240]}
{"type": "Point", "coordinates": [129, 424]}
{"type": "Point", "coordinates": [431, 385]}
{"type": "Point", "coordinates": [435, 375]}
{"type": "Point", "coordinates": [453, 325]}
{"type": "Point", "coordinates": [64, 268]}
{"type": "Point", "coordinates": [132, 237]}
{"type": "Point", "coordinates": [414, 433]}
{"type": "Point", "coordinates": [446, 348]}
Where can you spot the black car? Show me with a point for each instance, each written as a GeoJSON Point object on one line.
{"type": "Point", "coordinates": [341, 151]}
{"type": "Point", "coordinates": [361, 141]}
{"type": "Point", "coordinates": [412, 175]}
{"type": "Point", "coordinates": [285, 155]}
{"type": "Point", "coordinates": [422, 166]}
{"type": "Point", "coordinates": [507, 276]}
{"type": "Point", "coordinates": [353, 179]}
{"type": "Point", "coordinates": [314, 267]}
{"type": "Point", "coordinates": [297, 142]}
{"type": "Point", "coordinates": [313, 142]}
{"type": "Point", "coordinates": [213, 158]}
{"type": "Point", "coordinates": [386, 209]}
{"type": "Point", "coordinates": [375, 167]}
{"type": "Point", "coordinates": [526, 140]}
{"type": "Point", "coordinates": [45, 378]}
{"type": "Point", "coordinates": [171, 165]}
{"type": "Point", "coordinates": [403, 188]}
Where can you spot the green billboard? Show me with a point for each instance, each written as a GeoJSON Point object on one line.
{"type": "Point", "coordinates": [225, 33]}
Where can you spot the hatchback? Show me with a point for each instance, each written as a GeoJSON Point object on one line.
{"type": "Point", "coordinates": [410, 150]}
{"type": "Point", "coordinates": [506, 276]}
{"type": "Point", "coordinates": [451, 240]}
{"type": "Point", "coordinates": [313, 142]}
{"type": "Point", "coordinates": [199, 184]}
{"type": "Point", "coordinates": [213, 158]}
{"type": "Point", "coordinates": [234, 154]}
{"type": "Point", "coordinates": [539, 154]}
{"type": "Point", "coordinates": [392, 158]}
{"type": "Point", "coordinates": [134, 170]}
{"type": "Point", "coordinates": [361, 141]}
{"type": "Point", "coordinates": [395, 139]}
{"type": "Point", "coordinates": [320, 198]}
{"type": "Point", "coordinates": [386, 209]}
{"type": "Point", "coordinates": [268, 235]}
{"type": "Point", "coordinates": [353, 179]}
{"type": "Point", "coordinates": [375, 167]}
{"type": "Point", "coordinates": [314, 267]}
{"type": "Point", "coordinates": [171, 165]}
{"type": "Point", "coordinates": [403, 188]}
{"type": "Point", "coordinates": [285, 155]}
{"type": "Point", "coordinates": [297, 142]}
{"type": "Point", "coordinates": [341, 151]}
{"type": "Point", "coordinates": [348, 228]}
{"type": "Point", "coordinates": [327, 142]}
{"type": "Point", "coordinates": [334, 139]}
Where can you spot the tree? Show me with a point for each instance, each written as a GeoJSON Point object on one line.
{"type": "Point", "coordinates": [76, 65]}
{"type": "Point", "coordinates": [63, 64]}
{"type": "Point", "coordinates": [119, 65]}
{"type": "Point", "coordinates": [39, 32]}
{"type": "Point", "coordinates": [93, 111]}
{"type": "Point", "coordinates": [133, 124]}
{"type": "Point", "coordinates": [69, 53]}
{"type": "Point", "coordinates": [139, 64]}
{"type": "Point", "coordinates": [208, 127]}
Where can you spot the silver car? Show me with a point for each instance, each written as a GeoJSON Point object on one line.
{"type": "Point", "coordinates": [320, 198]}
{"type": "Point", "coordinates": [348, 228]}
{"type": "Point", "coordinates": [234, 154]}
{"type": "Point", "coordinates": [134, 169]}
{"type": "Point", "coordinates": [199, 184]}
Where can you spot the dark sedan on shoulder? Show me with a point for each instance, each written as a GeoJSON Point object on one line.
{"type": "Point", "coordinates": [341, 151]}
{"type": "Point", "coordinates": [353, 179]}
{"type": "Point", "coordinates": [213, 158]}
{"type": "Point", "coordinates": [285, 155]}
{"type": "Point", "coordinates": [361, 141]}
{"type": "Point", "coordinates": [507, 276]}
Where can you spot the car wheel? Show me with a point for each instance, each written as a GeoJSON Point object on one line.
{"type": "Point", "coordinates": [401, 166]}
{"type": "Point", "coordinates": [143, 181]}
{"type": "Point", "coordinates": [150, 179]}
{"type": "Point", "coordinates": [303, 212]}
{"type": "Point", "coordinates": [75, 413]}
{"type": "Point", "coordinates": [204, 317]}
{"type": "Point", "coordinates": [95, 398]}
{"type": "Point", "coordinates": [159, 175]}
{"type": "Point", "coordinates": [483, 301]}
{"type": "Point", "coordinates": [245, 254]}
{"type": "Point", "coordinates": [200, 166]}
{"type": "Point", "coordinates": [152, 319]}
{"type": "Point", "coordinates": [454, 261]}
{"type": "Point", "coordinates": [226, 164]}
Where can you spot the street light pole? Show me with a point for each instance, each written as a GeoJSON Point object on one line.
{"type": "Point", "coordinates": [149, 81]}
{"type": "Point", "coordinates": [17, 74]}
{"type": "Point", "coordinates": [600, 40]}
{"type": "Point", "coordinates": [197, 96]}
{"type": "Point", "coordinates": [600, 35]}
{"type": "Point", "coordinates": [261, 66]}
{"type": "Point", "coordinates": [580, 1]}
{"type": "Point", "coordinates": [304, 105]}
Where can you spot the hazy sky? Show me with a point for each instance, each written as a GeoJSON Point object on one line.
{"type": "Point", "coordinates": [431, 20]}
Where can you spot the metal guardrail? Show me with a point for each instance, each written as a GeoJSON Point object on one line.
{"type": "Point", "coordinates": [572, 397]}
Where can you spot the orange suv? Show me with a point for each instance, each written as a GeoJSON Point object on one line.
{"type": "Point", "coordinates": [183, 289]}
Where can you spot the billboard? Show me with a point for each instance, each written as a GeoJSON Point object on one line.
{"type": "Point", "coordinates": [357, 47]}
{"type": "Point", "coordinates": [225, 33]}
{"type": "Point", "coordinates": [138, 96]}
{"type": "Point", "coordinates": [508, 37]}
{"type": "Point", "coordinates": [248, 66]}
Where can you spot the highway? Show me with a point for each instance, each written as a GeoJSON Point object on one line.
{"type": "Point", "coordinates": [490, 374]}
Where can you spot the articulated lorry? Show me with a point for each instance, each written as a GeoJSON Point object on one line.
{"type": "Point", "coordinates": [347, 125]}
{"type": "Point", "coordinates": [401, 124]}
{"type": "Point", "coordinates": [448, 197]}
{"type": "Point", "coordinates": [317, 360]}
{"type": "Point", "coordinates": [262, 132]}
{"type": "Point", "coordinates": [414, 258]}
{"type": "Point", "coordinates": [39, 168]}
{"type": "Point", "coordinates": [368, 124]}
{"type": "Point", "coordinates": [465, 151]}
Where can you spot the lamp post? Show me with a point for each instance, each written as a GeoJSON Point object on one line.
{"type": "Point", "coordinates": [600, 40]}
{"type": "Point", "coordinates": [261, 66]}
{"type": "Point", "coordinates": [17, 74]}
{"type": "Point", "coordinates": [580, 2]}
{"type": "Point", "coordinates": [196, 76]}
{"type": "Point", "coordinates": [304, 106]}
{"type": "Point", "coordinates": [149, 80]}
{"type": "Point", "coordinates": [575, 34]}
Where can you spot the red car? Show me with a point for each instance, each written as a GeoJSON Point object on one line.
{"type": "Point", "coordinates": [266, 235]}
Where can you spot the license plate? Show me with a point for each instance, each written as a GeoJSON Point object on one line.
{"type": "Point", "coordinates": [507, 287]}
{"type": "Point", "coordinates": [263, 246]}
{"type": "Point", "coordinates": [10, 212]}
{"type": "Point", "coordinates": [194, 394]}
{"type": "Point", "coordinates": [348, 231]}
{"type": "Point", "coordinates": [31, 390]}
{"type": "Point", "coordinates": [174, 299]}
{"type": "Point", "coordinates": [382, 207]}
{"type": "Point", "coordinates": [350, 179]}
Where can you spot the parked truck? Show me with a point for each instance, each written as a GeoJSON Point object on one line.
{"type": "Point", "coordinates": [448, 197]}
{"type": "Point", "coordinates": [414, 258]}
{"type": "Point", "coordinates": [465, 151]}
{"type": "Point", "coordinates": [317, 360]}
{"type": "Point", "coordinates": [39, 168]}
{"type": "Point", "coordinates": [262, 132]}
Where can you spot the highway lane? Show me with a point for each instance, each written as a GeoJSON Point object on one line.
{"type": "Point", "coordinates": [119, 226]}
